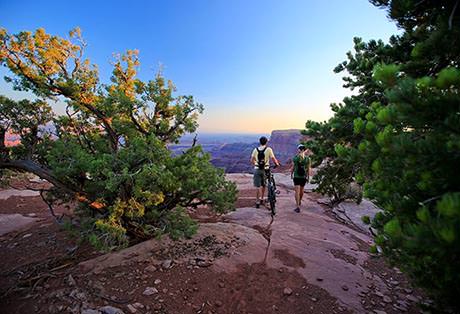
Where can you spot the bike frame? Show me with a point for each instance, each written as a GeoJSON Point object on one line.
{"type": "Point", "coordinates": [271, 190]}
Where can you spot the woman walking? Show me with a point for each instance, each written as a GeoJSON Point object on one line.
{"type": "Point", "coordinates": [300, 171]}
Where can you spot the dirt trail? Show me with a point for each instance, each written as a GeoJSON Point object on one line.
{"type": "Point", "coordinates": [327, 253]}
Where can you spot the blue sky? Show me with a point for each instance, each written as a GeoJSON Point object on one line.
{"type": "Point", "coordinates": [255, 65]}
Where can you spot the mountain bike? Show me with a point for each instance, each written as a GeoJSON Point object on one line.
{"type": "Point", "coordinates": [271, 189]}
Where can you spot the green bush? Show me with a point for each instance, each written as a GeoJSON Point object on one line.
{"type": "Point", "coordinates": [366, 220]}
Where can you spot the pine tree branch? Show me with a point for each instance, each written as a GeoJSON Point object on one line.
{"type": "Point", "coordinates": [137, 124]}
{"type": "Point", "coordinates": [56, 90]}
{"type": "Point", "coordinates": [80, 132]}
{"type": "Point", "coordinates": [194, 140]}
{"type": "Point", "coordinates": [451, 17]}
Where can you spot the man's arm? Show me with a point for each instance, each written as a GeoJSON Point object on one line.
{"type": "Point", "coordinates": [274, 158]}
{"type": "Point", "coordinates": [253, 157]}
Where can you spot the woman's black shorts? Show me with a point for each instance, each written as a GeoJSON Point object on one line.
{"type": "Point", "coordinates": [300, 181]}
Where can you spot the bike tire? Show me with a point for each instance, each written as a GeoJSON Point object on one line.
{"type": "Point", "coordinates": [272, 199]}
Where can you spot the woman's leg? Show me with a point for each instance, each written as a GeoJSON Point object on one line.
{"type": "Point", "coordinates": [301, 190]}
{"type": "Point", "coordinates": [297, 195]}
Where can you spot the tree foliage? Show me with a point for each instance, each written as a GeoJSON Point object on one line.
{"type": "Point", "coordinates": [109, 151]}
{"type": "Point", "coordinates": [399, 137]}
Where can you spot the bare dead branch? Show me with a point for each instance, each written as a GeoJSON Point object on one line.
{"type": "Point", "coordinates": [50, 207]}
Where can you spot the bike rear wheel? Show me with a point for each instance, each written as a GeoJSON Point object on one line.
{"type": "Point", "coordinates": [272, 199]}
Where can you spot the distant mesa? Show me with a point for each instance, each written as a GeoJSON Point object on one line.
{"type": "Point", "coordinates": [285, 142]}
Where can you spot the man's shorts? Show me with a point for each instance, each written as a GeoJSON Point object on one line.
{"type": "Point", "coordinates": [300, 181]}
{"type": "Point", "coordinates": [259, 178]}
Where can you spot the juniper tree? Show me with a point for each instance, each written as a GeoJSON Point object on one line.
{"type": "Point", "coordinates": [400, 138]}
{"type": "Point", "coordinates": [109, 152]}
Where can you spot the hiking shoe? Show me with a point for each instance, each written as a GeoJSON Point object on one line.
{"type": "Point", "coordinates": [297, 210]}
{"type": "Point", "coordinates": [257, 205]}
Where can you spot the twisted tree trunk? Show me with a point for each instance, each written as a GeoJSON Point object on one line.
{"type": "Point", "coordinates": [32, 167]}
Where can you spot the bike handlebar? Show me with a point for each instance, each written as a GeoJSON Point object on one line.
{"type": "Point", "coordinates": [273, 167]}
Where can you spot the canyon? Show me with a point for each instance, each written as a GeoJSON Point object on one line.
{"type": "Point", "coordinates": [232, 152]}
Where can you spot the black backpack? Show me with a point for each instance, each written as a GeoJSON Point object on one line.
{"type": "Point", "coordinates": [261, 158]}
{"type": "Point", "coordinates": [301, 168]}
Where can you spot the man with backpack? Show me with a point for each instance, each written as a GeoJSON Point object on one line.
{"type": "Point", "coordinates": [261, 157]}
{"type": "Point", "coordinates": [300, 173]}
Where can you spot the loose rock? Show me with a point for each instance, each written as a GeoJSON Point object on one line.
{"type": "Point", "coordinates": [110, 310]}
{"type": "Point", "coordinates": [150, 291]}
{"type": "Point", "coordinates": [204, 263]}
{"type": "Point", "coordinates": [70, 281]}
{"type": "Point", "coordinates": [150, 269]}
{"type": "Point", "coordinates": [400, 308]}
{"type": "Point", "coordinates": [287, 291]}
{"type": "Point", "coordinates": [138, 305]}
{"type": "Point", "coordinates": [412, 298]}
{"type": "Point", "coordinates": [379, 294]}
{"type": "Point", "coordinates": [131, 308]}
{"type": "Point", "coordinates": [90, 311]}
{"type": "Point", "coordinates": [167, 264]}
